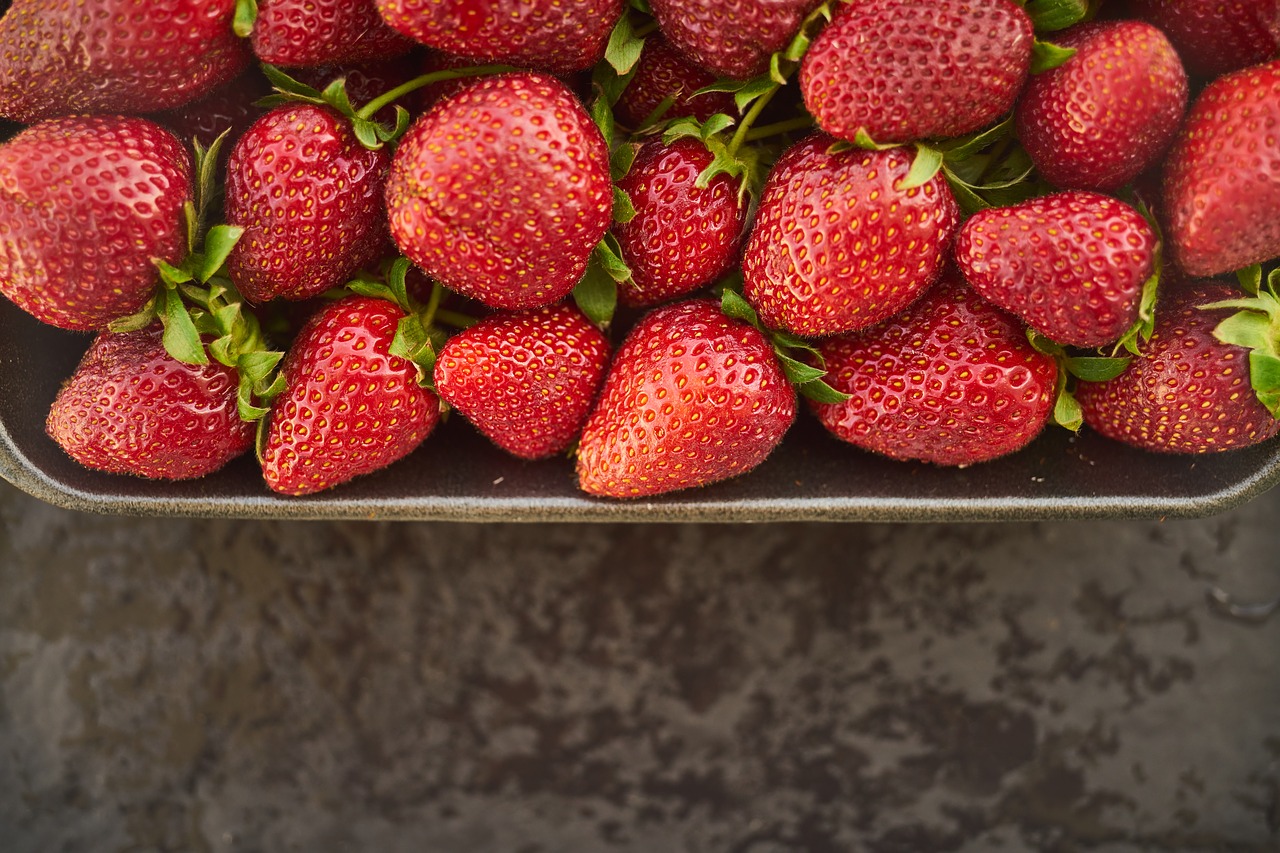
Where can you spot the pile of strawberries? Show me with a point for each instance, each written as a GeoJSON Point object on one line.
{"type": "Point", "coordinates": [313, 227]}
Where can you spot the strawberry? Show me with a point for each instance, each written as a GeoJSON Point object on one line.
{"type": "Point", "coordinates": [1221, 190]}
{"type": "Point", "coordinates": [323, 32]}
{"type": "Point", "coordinates": [731, 38]}
{"type": "Point", "coordinates": [874, 69]}
{"type": "Point", "coordinates": [59, 57]}
{"type": "Point", "coordinates": [682, 236]}
{"type": "Point", "coordinates": [502, 191]}
{"type": "Point", "coordinates": [1215, 37]}
{"type": "Point", "coordinates": [527, 380]}
{"type": "Point", "coordinates": [348, 406]}
{"type": "Point", "coordinates": [131, 408]}
{"type": "Point", "coordinates": [1072, 264]}
{"type": "Point", "coordinates": [544, 34]}
{"type": "Point", "coordinates": [309, 197]}
{"type": "Point", "coordinates": [1109, 112]}
{"type": "Point", "coordinates": [230, 107]}
{"type": "Point", "coordinates": [837, 245]}
{"type": "Point", "coordinates": [692, 397]}
{"type": "Point", "coordinates": [662, 73]}
{"type": "Point", "coordinates": [952, 381]}
{"type": "Point", "coordinates": [85, 204]}
{"type": "Point", "coordinates": [1188, 392]}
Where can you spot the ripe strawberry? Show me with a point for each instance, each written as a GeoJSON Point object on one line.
{"type": "Point", "coordinates": [1215, 37]}
{"type": "Point", "coordinates": [731, 38]}
{"type": "Point", "coordinates": [1188, 392]}
{"type": "Point", "coordinates": [527, 380]}
{"type": "Point", "coordinates": [837, 246]}
{"type": "Point", "coordinates": [692, 397]}
{"type": "Point", "coordinates": [1072, 265]}
{"type": "Point", "coordinates": [502, 191]}
{"type": "Point", "coordinates": [662, 72]}
{"type": "Point", "coordinates": [59, 57]}
{"type": "Point", "coordinates": [1221, 193]}
{"type": "Point", "coordinates": [309, 197]}
{"type": "Point", "coordinates": [1109, 112]}
{"type": "Point", "coordinates": [323, 32]}
{"type": "Point", "coordinates": [682, 237]}
{"type": "Point", "coordinates": [131, 408]}
{"type": "Point", "coordinates": [85, 204]}
{"type": "Point", "coordinates": [348, 406]}
{"type": "Point", "coordinates": [952, 381]}
{"type": "Point", "coordinates": [545, 34]}
{"type": "Point", "coordinates": [874, 69]}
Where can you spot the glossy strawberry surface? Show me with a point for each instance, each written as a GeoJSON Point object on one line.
{"type": "Point", "coordinates": [663, 73]}
{"type": "Point", "coordinates": [731, 38]}
{"type": "Point", "coordinates": [692, 397]}
{"type": "Point", "coordinates": [323, 32]}
{"type": "Point", "coordinates": [1215, 37]}
{"type": "Point", "coordinates": [85, 204]}
{"type": "Point", "coordinates": [131, 408]}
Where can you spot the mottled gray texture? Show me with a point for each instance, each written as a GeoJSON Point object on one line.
{"type": "Point", "coordinates": [342, 686]}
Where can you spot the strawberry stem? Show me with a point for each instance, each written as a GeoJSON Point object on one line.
{"type": "Point", "coordinates": [740, 135]}
{"type": "Point", "coordinates": [369, 110]}
{"type": "Point", "coordinates": [778, 128]}
{"type": "Point", "coordinates": [432, 307]}
{"type": "Point", "coordinates": [455, 318]}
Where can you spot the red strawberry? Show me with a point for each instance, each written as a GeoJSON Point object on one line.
{"type": "Point", "coordinates": [1188, 392]}
{"type": "Point", "coordinates": [131, 408]}
{"type": "Point", "coordinates": [543, 34]}
{"type": "Point", "coordinates": [682, 237]}
{"type": "Point", "coordinates": [59, 57]}
{"type": "Point", "coordinates": [952, 381]}
{"type": "Point", "coordinates": [85, 204]}
{"type": "Point", "coordinates": [662, 72]}
{"type": "Point", "coordinates": [1215, 37]}
{"type": "Point", "coordinates": [348, 406]}
{"type": "Point", "coordinates": [527, 381]}
{"type": "Point", "coordinates": [731, 38]}
{"type": "Point", "coordinates": [904, 70]}
{"type": "Point", "coordinates": [1106, 114]}
{"type": "Point", "coordinates": [502, 191]}
{"type": "Point", "coordinates": [692, 397]}
{"type": "Point", "coordinates": [1222, 184]}
{"type": "Point", "coordinates": [1072, 265]}
{"type": "Point", "coordinates": [309, 197]}
{"type": "Point", "coordinates": [837, 246]}
{"type": "Point", "coordinates": [229, 107]}
{"type": "Point", "coordinates": [323, 32]}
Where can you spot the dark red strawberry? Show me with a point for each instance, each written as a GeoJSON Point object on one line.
{"type": "Point", "coordinates": [59, 57]}
{"type": "Point", "coordinates": [230, 107]}
{"type": "Point", "coordinates": [309, 197]}
{"type": "Point", "coordinates": [1215, 37]}
{"type": "Point", "coordinates": [952, 381]}
{"type": "Point", "coordinates": [85, 204]}
{"type": "Point", "coordinates": [682, 237]}
{"type": "Point", "coordinates": [1109, 112]}
{"type": "Point", "coordinates": [527, 380]}
{"type": "Point", "coordinates": [323, 32]}
{"type": "Point", "coordinates": [1072, 265]}
{"type": "Point", "coordinates": [348, 406]}
{"type": "Point", "coordinates": [131, 408]}
{"type": "Point", "coordinates": [905, 70]}
{"type": "Point", "coordinates": [731, 38]}
{"type": "Point", "coordinates": [692, 397]}
{"type": "Point", "coordinates": [368, 80]}
{"type": "Point", "coordinates": [1221, 193]}
{"type": "Point", "coordinates": [545, 34]}
{"type": "Point", "coordinates": [662, 73]}
{"type": "Point", "coordinates": [1187, 392]}
{"type": "Point", "coordinates": [836, 246]}
{"type": "Point", "coordinates": [502, 191]}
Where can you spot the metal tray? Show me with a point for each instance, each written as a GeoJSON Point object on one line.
{"type": "Point", "coordinates": [457, 475]}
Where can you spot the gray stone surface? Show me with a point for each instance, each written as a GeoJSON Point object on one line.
{"type": "Point", "coordinates": [244, 686]}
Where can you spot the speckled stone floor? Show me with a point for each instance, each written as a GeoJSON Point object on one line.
{"type": "Point", "coordinates": [241, 686]}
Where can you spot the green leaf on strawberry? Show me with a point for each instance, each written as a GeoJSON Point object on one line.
{"type": "Point", "coordinates": [1046, 56]}
{"type": "Point", "coordinates": [1051, 15]}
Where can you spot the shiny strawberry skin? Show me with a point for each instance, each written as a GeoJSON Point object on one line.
{"type": "Point", "coordinates": [85, 204]}
{"type": "Point", "coordinates": [61, 57]}
{"type": "Point", "coordinates": [1215, 37]}
{"type": "Point", "coordinates": [731, 38]}
{"type": "Point", "coordinates": [682, 237]}
{"type": "Point", "coordinates": [131, 408]}
{"type": "Point", "coordinates": [309, 197]}
{"type": "Point", "coordinates": [323, 32]}
{"type": "Point", "coordinates": [1109, 112]}
{"type": "Point", "coordinates": [526, 380]}
{"type": "Point", "coordinates": [662, 72]}
{"type": "Point", "coordinates": [952, 381]}
{"type": "Point", "coordinates": [872, 69]}
{"type": "Point", "coordinates": [1221, 191]}
{"type": "Point", "coordinates": [544, 34]}
{"type": "Point", "coordinates": [348, 408]}
{"type": "Point", "coordinates": [1187, 392]}
{"type": "Point", "coordinates": [1071, 265]}
{"type": "Point", "coordinates": [836, 247]}
{"type": "Point", "coordinates": [692, 397]}
{"type": "Point", "coordinates": [502, 191]}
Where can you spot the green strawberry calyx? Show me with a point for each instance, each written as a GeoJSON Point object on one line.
{"type": "Point", "coordinates": [1256, 327]}
{"type": "Point", "coordinates": [1050, 16]}
{"type": "Point", "coordinates": [1071, 367]}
